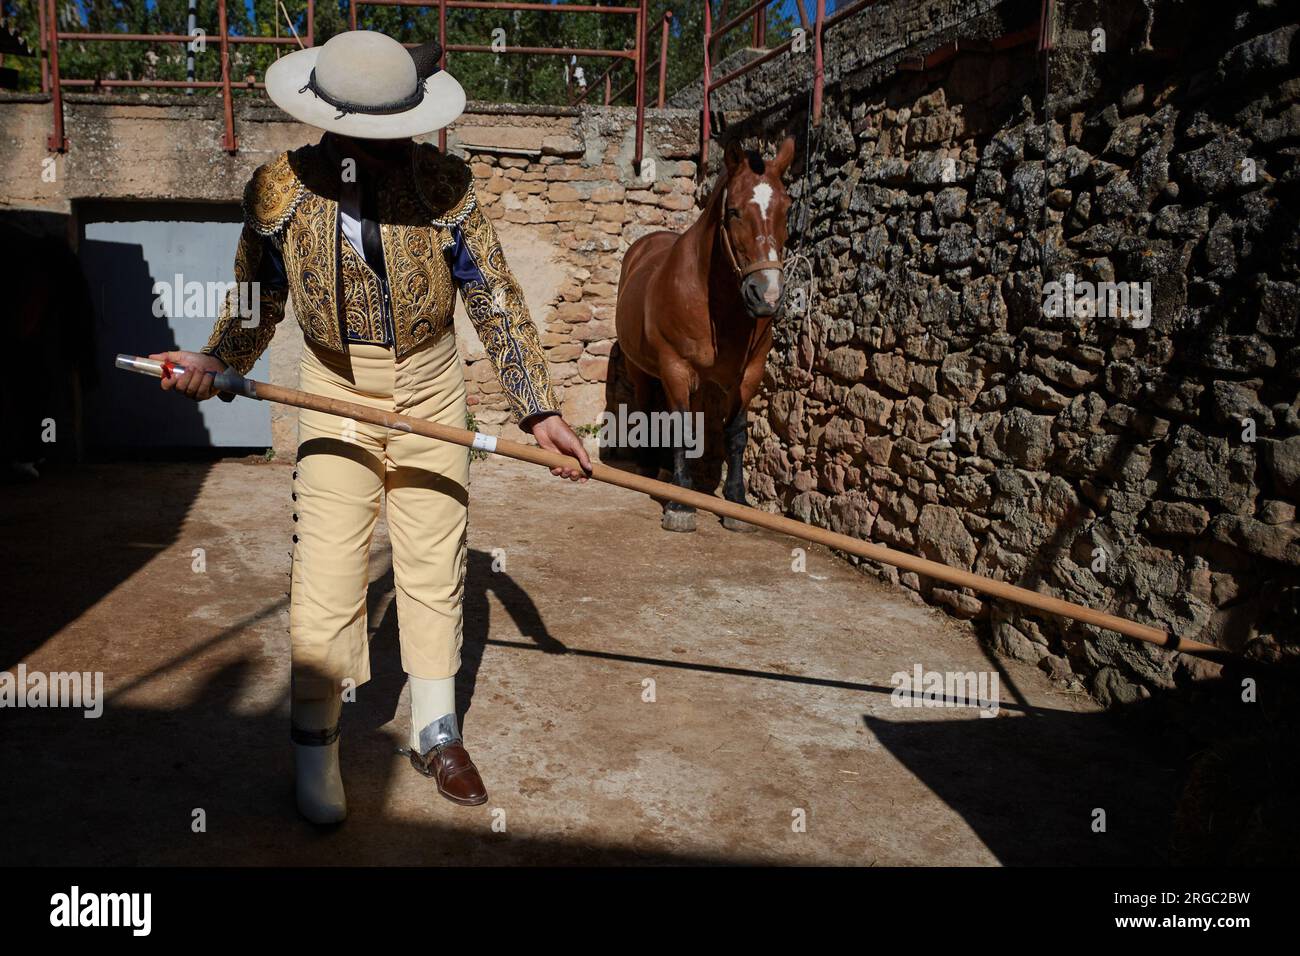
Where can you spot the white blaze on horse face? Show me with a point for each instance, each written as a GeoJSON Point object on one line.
{"type": "Point", "coordinates": [768, 283]}
{"type": "Point", "coordinates": [771, 278]}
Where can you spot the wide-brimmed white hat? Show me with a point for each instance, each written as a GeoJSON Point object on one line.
{"type": "Point", "coordinates": [365, 84]}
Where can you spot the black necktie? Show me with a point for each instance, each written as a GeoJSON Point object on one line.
{"type": "Point", "coordinates": [371, 244]}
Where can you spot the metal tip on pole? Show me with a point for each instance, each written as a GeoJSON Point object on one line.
{"type": "Point", "coordinates": [136, 363]}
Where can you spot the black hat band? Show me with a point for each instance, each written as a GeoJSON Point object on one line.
{"type": "Point", "coordinates": [426, 57]}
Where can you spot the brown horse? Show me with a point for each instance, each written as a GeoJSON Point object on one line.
{"type": "Point", "coordinates": [699, 308]}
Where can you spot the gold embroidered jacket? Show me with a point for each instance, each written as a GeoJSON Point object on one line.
{"type": "Point", "coordinates": [435, 239]}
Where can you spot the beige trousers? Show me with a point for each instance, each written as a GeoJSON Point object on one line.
{"type": "Point", "coordinates": [344, 467]}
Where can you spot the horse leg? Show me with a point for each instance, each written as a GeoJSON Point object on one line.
{"type": "Point", "coordinates": [679, 517]}
{"type": "Point", "coordinates": [643, 390]}
{"type": "Point", "coordinates": [678, 380]}
{"type": "Point", "coordinates": [736, 433]}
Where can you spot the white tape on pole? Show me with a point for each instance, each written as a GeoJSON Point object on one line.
{"type": "Point", "coordinates": [485, 442]}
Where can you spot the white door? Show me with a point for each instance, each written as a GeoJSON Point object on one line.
{"type": "Point", "coordinates": [135, 257]}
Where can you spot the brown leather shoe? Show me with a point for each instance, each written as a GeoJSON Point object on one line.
{"type": "Point", "coordinates": [454, 773]}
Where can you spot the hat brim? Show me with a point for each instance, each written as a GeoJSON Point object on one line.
{"type": "Point", "coordinates": [443, 102]}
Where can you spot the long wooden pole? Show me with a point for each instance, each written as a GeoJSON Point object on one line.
{"type": "Point", "coordinates": [238, 385]}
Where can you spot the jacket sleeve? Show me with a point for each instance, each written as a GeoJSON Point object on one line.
{"type": "Point", "coordinates": [496, 307]}
{"type": "Point", "coordinates": [237, 339]}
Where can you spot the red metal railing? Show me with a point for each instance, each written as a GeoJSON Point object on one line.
{"type": "Point", "coordinates": [606, 78]}
{"type": "Point", "coordinates": [945, 52]}
{"type": "Point", "coordinates": [822, 23]}
{"type": "Point", "coordinates": [637, 55]}
{"type": "Point", "coordinates": [53, 81]}
{"type": "Point", "coordinates": [51, 35]}
{"type": "Point", "coordinates": [757, 12]}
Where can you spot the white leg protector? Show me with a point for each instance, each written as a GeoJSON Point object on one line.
{"type": "Point", "coordinates": [318, 781]}
{"type": "Point", "coordinates": [432, 702]}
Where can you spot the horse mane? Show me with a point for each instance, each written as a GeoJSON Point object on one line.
{"type": "Point", "coordinates": [715, 192]}
{"type": "Point", "coordinates": [756, 163]}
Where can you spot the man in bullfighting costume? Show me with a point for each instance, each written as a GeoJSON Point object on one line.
{"type": "Point", "coordinates": [370, 234]}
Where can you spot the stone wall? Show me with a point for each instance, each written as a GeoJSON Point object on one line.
{"type": "Point", "coordinates": [559, 183]}
{"type": "Point", "coordinates": [571, 212]}
{"type": "Point", "coordinates": [927, 399]}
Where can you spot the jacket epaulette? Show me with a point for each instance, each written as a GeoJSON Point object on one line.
{"type": "Point", "coordinates": [445, 185]}
{"type": "Point", "coordinates": [271, 196]}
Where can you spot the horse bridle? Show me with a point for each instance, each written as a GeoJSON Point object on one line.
{"type": "Point", "coordinates": [742, 272]}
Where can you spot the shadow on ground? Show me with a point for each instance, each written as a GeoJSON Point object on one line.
{"type": "Point", "coordinates": [198, 722]}
{"type": "Point", "coordinates": [118, 790]}
{"type": "Point", "coordinates": [55, 565]}
{"type": "Point", "coordinates": [1211, 783]}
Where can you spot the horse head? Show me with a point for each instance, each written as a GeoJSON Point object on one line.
{"type": "Point", "coordinates": [752, 226]}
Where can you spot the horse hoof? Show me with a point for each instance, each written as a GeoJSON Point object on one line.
{"type": "Point", "coordinates": [735, 524]}
{"type": "Point", "coordinates": [674, 520]}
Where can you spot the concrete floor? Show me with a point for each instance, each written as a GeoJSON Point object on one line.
{"type": "Point", "coordinates": [771, 696]}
